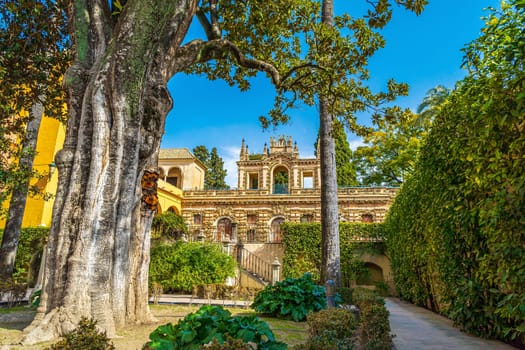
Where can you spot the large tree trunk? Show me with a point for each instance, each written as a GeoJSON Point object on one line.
{"type": "Point", "coordinates": [98, 250]}
{"type": "Point", "coordinates": [18, 200]}
{"type": "Point", "coordinates": [330, 265]}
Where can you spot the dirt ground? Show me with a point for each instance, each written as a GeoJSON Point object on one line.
{"type": "Point", "coordinates": [134, 337]}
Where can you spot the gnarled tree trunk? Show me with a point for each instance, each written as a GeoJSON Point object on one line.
{"type": "Point", "coordinates": [98, 250]}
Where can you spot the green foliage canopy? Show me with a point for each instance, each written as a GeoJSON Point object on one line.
{"type": "Point", "coordinates": [304, 57]}
{"type": "Point", "coordinates": [33, 59]}
{"type": "Point", "coordinates": [168, 225]}
{"type": "Point", "coordinates": [215, 172]}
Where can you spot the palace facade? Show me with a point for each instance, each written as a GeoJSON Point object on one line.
{"type": "Point", "coordinates": [274, 186]}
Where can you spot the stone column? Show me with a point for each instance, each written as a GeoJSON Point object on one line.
{"type": "Point", "coordinates": [276, 271]}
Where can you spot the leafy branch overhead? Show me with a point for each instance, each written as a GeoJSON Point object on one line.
{"type": "Point", "coordinates": [302, 56]}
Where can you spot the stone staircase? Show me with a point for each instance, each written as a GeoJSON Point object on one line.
{"type": "Point", "coordinates": [256, 268]}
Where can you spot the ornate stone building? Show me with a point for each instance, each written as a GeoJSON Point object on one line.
{"type": "Point", "coordinates": [273, 187]}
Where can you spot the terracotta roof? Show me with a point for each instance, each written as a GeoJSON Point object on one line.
{"type": "Point", "coordinates": [175, 153]}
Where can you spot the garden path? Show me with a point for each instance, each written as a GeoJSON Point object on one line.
{"type": "Point", "coordinates": [417, 328]}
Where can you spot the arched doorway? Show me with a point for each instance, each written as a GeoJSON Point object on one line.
{"type": "Point", "coordinates": [280, 180]}
{"type": "Point", "coordinates": [374, 275]}
{"type": "Point", "coordinates": [224, 230]}
{"type": "Point", "coordinates": [275, 230]}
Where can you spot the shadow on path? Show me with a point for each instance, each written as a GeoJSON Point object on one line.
{"type": "Point", "coordinates": [418, 328]}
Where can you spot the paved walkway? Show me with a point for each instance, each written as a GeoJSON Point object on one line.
{"type": "Point", "coordinates": [418, 328]}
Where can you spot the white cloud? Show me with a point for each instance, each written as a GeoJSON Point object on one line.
{"type": "Point", "coordinates": [356, 143]}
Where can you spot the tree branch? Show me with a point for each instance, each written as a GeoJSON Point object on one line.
{"type": "Point", "coordinates": [199, 51]}
{"type": "Point", "coordinates": [101, 25]}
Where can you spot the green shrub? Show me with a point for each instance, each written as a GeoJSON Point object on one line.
{"type": "Point", "coordinates": [229, 344]}
{"type": "Point", "coordinates": [13, 291]}
{"type": "Point", "coordinates": [181, 266]}
{"type": "Point", "coordinates": [293, 298]}
{"type": "Point", "coordinates": [382, 289]}
{"type": "Point", "coordinates": [85, 337]}
{"type": "Point", "coordinates": [340, 323]}
{"type": "Point", "coordinates": [326, 341]}
{"type": "Point", "coordinates": [360, 295]}
{"type": "Point", "coordinates": [375, 327]}
{"type": "Point", "coordinates": [345, 294]}
{"type": "Point", "coordinates": [211, 323]}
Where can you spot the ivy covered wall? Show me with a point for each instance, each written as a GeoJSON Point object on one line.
{"type": "Point", "coordinates": [302, 249]}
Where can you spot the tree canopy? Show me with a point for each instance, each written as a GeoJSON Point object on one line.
{"type": "Point", "coordinates": [215, 172]}
{"type": "Point", "coordinates": [33, 58]}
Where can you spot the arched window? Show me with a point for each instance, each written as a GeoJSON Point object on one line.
{"type": "Point", "coordinates": [173, 209]}
{"type": "Point", "coordinates": [224, 230]}
{"type": "Point", "coordinates": [275, 230]}
{"type": "Point", "coordinates": [280, 180]}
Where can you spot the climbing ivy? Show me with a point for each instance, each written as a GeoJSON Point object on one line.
{"type": "Point", "coordinates": [456, 229]}
{"type": "Point", "coordinates": [302, 248]}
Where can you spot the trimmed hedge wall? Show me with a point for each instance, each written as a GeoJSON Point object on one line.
{"type": "Point", "coordinates": [456, 231]}
{"type": "Point", "coordinates": [302, 248]}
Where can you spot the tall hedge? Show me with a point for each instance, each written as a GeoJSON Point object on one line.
{"type": "Point", "coordinates": [456, 231]}
{"type": "Point", "coordinates": [302, 248]}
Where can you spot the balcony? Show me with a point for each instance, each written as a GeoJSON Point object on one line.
{"type": "Point", "coordinates": [280, 189]}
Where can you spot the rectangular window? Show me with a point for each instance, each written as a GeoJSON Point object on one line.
{"type": "Point", "coordinates": [251, 219]}
{"type": "Point", "coordinates": [250, 235]}
{"type": "Point", "coordinates": [253, 180]}
{"type": "Point", "coordinates": [197, 219]}
{"type": "Point", "coordinates": [307, 218]}
{"type": "Point", "coordinates": [308, 180]}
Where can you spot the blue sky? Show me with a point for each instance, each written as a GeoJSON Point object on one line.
{"type": "Point", "coordinates": [423, 51]}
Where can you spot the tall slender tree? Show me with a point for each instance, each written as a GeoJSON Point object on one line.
{"type": "Point", "coordinates": [215, 172]}
{"type": "Point", "coordinates": [330, 262]}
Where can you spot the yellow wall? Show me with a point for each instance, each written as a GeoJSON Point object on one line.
{"type": "Point", "coordinates": [38, 211]}
{"type": "Point", "coordinates": [50, 139]}
{"type": "Point", "coordinates": [169, 196]}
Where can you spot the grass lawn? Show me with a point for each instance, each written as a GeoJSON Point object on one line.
{"type": "Point", "coordinates": [13, 321]}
